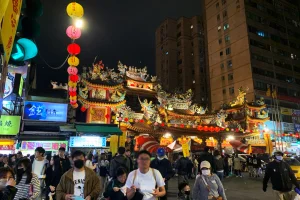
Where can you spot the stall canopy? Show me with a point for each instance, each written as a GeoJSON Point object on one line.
{"type": "Point", "coordinates": [101, 129]}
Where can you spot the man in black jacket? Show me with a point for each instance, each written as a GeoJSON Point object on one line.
{"type": "Point", "coordinates": [119, 161]}
{"type": "Point", "coordinates": [206, 155]}
{"type": "Point", "coordinates": [163, 165]}
{"type": "Point", "coordinates": [282, 178]}
{"type": "Point", "coordinates": [64, 160]}
{"type": "Point", "coordinates": [182, 168]}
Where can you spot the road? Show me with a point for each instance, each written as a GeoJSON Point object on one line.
{"type": "Point", "coordinates": [236, 189]}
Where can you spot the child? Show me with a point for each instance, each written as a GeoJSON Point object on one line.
{"type": "Point", "coordinates": [115, 189]}
{"type": "Point", "coordinates": [184, 191]}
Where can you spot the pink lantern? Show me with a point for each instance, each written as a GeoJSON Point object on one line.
{"type": "Point", "coordinates": [73, 101]}
{"type": "Point", "coordinates": [72, 89]}
{"type": "Point", "coordinates": [72, 70]}
{"type": "Point", "coordinates": [73, 32]}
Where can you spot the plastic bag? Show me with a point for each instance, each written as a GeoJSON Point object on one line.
{"type": "Point", "coordinates": [297, 197]}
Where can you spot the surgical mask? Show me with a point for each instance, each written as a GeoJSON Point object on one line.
{"type": "Point", "coordinates": [78, 164]}
{"type": "Point", "coordinates": [205, 172]}
{"type": "Point", "coordinates": [187, 192]}
{"type": "Point", "coordinates": [279, 158]}
{"type": "Point", "coordinates": [3, 183]}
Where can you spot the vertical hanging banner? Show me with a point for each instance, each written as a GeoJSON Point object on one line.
{"type": "Point", "coordinates": [113, 144]}
{"type": "Point", "coordinates": [185, 150]}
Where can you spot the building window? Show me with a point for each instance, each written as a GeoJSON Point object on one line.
{"type": "Point", "coordinates": [223, 2]}
{"type": "Point", "coordinates": [227, 38]}
{"type": "Point", "coordinates": [224, 91]}
{"type": "Point", "coordinates": [223, 78]}
{"type": "Point", "coordinates": [226, 26]}
{"type": "Point", "coordinates": [228, 51]}
{"type": "Point", "coordinates": [222, 65]}
{"type": "Point", "coordinates": [193, 71]}
{"type": "Point", "coordinates": [220, 40]}
{"type": "Point", "coordinates": [225, 13]}
{"type": "Point", "coordinates": [218, 17]}
{"type": "Point", "coordinates": [262, 72]}
{"type": "Point", "coordinates": [221, 53]}
{"type": "Point", "coordinates": [229, 63]}
{"type": "Point", "coordinates": [217, 5]}
{"type": "Point", "coordinates": [231, 90]}
{"type": "Point", "coordinates": [260, 45]}
{"type": "Point", "coordinates": [230, 77]}
{"type": "Point", "coordinates": [260, 86]}
{"type": "Point", "coordinates": [179, 34]}
{"type": "Point", "coordinates": [261, 58]}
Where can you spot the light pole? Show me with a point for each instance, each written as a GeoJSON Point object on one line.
{"type": "Point", "coordinates": [119, 117]}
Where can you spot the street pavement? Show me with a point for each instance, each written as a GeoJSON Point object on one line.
{"type": "Point", "coordinates": [237, 188]}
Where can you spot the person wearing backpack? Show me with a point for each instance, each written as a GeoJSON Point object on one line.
{"type": "Point", "coordinates": [119, 161]}
{"type": "Point", "coordinates": [182, 168]}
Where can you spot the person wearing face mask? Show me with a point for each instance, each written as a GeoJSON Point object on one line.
{"type": "Point", "coordinates": [7, 184]}
{"type": "Point", "coordinates": [163, 165]}
{"type": "Point", "coordinates": [184, 191]}
{"type": "Point", "coordinates": [28, 183]}
{"type": "Point", "coordinates": [282, 178]}
{"type": "Point", "coordinates": [208, 185]}
{"type": "Point", "coordinates": [79, 182]}
{"type": "Point", "coordinates": [116, 189]}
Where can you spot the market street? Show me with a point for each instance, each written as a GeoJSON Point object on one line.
{"type": "Point", "coordinates": [236, 189]}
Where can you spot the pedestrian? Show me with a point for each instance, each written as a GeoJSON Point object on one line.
{"type": "Point", "coordinates": [7, 184]}
{"type": "Point", "coordinates": [64, 160]}
{"type": "Point", "coordinates": [103, 165]}
{"type": "Point", "coordinates": [206, 155]}
{"type": "Point", "coordinates": [249, 161]}
{"type": "Point", "coordinates": [208, 185]}
{"type": "Point", "coordinates": [282, 178]}
{"type": "Point", "coordinates": [196, 166]}
{"type": "Point", "coordinates": [79, 181]}
{"type": "Point", "coordinates": [256, 165]}
{"type": "Point", "coordinates": [28, 183]}
{"type": "Point", "coordinates": [237, 166]}
{"type": "Point", "coordinates": [184, 191]}
{"type": "Point", "coordinates": [190, 168]}
{"type": "Point", "coordinates": [226, 165]}
{"type": "Point", "coordinates": [119, 161]}
{"type": "Point", "coordinates": [89, 162]}
{"type": "Point", "coordinates": [163, 165]}
{"type": "Point", "coordinates": [128, 155]}
{"type": "Point", "coordinates": [53, 175]}
{"type": "Point", "coordinates": [39, 166]}
{"type": "Point", "coordinates": [5, 161]}
{"type": "Point", "coordinates": [182, 168]}
{"type": "Point", "coordinates": [12, 161]}
{"type": "Point", "coordinates": [219, 163]}
{"type": "Point", "coordinates": [116, 189]}
{"type": "Point", "coordinates": [19, 156]}
{"type": "Point", "coordinates": [1, 160]}
{"type": "Point", "coordinates": [145, 183]}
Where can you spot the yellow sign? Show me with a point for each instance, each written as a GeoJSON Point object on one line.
{"type": "Point", "coordinates": [286, 111]}
{"type": "Point", "coordinates": [9, 125]}
{"type": "Point", "coordinates": [3, 6]}
{"type": "Point", "coordinates": [269, 144]}
{"type": "Point", "coordinates": [9, 26]}
{"type": "Point", "coordinates": [113, 144]}
{"type": "Point", "coordinates": [166, 141]}
{"type": "Point", "coordinates": [186, 150]}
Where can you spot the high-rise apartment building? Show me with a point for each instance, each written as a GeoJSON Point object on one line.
{"type": "Point", "coordinates": [180, 60]}
{"type": "Point", "coordinates": [253, 44]}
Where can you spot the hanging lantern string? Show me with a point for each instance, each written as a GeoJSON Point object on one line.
{"type": "Point", "coordinates": [55, 68]}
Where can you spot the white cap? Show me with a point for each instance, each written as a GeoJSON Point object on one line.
{"type": "Point", "coordinates": [205, 164]}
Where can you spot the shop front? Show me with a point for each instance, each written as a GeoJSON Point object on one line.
{"type": "Point", "coordinates": [9, 128]}
{"type": "Point", "coordinates": [51, 147]}
{"type": "Point", "coordinates": [88, 144]}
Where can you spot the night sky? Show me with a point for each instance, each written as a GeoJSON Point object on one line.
{"type": "Point", "coordinates": [114, 30]}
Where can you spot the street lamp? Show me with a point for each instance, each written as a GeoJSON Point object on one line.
{"type": "Point", "coordinates": [79, 23]}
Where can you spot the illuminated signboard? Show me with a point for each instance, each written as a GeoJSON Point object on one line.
{"type": "Point", "coordinates": [9, 125]}
{"type": "Point", "coordinates": [44, 111]}
{"type": "Point", "coordinates": [87, 141]}
{"type": "Point", "coordinates": [47, 145]}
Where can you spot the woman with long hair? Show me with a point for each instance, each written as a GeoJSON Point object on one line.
{"type": "Point", "coordinates": [89, 162]}
{"type": "Point", "coordinates": [53, 175]}
{"type": "Point", "coordinates": [28, 184]}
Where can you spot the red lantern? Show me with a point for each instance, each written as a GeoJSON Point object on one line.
{"type": "Point", "coordinates": [73, 49]}
{"type": "Point", "coordinates": [72, 94]}
{"type": "Point", "coordinates": [83, 109]}
{"type": "Point", "coordinates": [74, 78]}
{"type": "Point", "coordinates": [181, 125]}
{"type": "Point", "coordinates": [142, 121]}
{"type": "Point", "coordinates": [107, 116]}
{"type": "Point", "coordinates": [162, 124]}
{"type": "Point", "coordinates": [211, 129]}
{"type": "Point", "coordinates": [217, 129]}
{"type": "Point", "coordinates": [205, 128]}
{"type": "Point", "coordinates": [126, 119]}
{"type": "Point", "coordinates": [236, 130]}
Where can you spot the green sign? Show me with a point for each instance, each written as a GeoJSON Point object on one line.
{"type": "Point", "coordinates": [9, 125]}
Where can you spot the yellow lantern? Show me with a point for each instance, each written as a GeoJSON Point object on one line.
{"type": "Point", "coordinates": [74, 105]}
{"type": "Point", "coordinates": [72, 84]}
{"type": "Point", "coordinates": [75, 10]}
{"type": "Point", "coordinates": [73, 61]}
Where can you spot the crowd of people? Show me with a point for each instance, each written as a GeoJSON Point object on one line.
{"type": "Point", "coordinates": [123, 177]}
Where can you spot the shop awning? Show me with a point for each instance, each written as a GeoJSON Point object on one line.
{"type": "Point", "coordinates": [101, 129]}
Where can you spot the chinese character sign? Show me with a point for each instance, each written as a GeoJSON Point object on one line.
{"type": "Point", "coordinates": [43, 111]}
{"type": "Point", "coordinates": [9, 125]}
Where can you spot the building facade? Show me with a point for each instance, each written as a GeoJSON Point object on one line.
{"type": "Point", "coordinates": [180, 56]}
{"type": "Point", "coordinates": [256, 45]}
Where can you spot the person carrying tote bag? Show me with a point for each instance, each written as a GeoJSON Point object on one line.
{"type": "Point", "coordinates": [208, 185]}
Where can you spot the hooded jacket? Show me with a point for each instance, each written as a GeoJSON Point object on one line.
{"type": "Point", "coordinates": [117, 162]}
{"type": "Point", "coordinates": [91, 185]}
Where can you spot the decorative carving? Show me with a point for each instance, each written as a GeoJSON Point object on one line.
{"type": "Point", "coordinates": [240, 99]}
{"type": "Point", "coordinates": [83, 91]}
{"type": "Point", "coordinates": [117, 96]}
{"type": "Point", "coordinates": [153, 78]}
{"type": "Point", "coordinates": [55, 86]}
{"type": "Point", "coordinates": [198, 109]}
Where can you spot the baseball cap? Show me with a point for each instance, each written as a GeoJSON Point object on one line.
{"type": "Point", "coordinates": [205, 164]}
{"type": "Point", "coordinates": [161, 152]}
